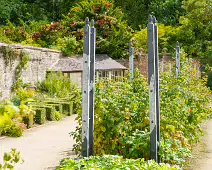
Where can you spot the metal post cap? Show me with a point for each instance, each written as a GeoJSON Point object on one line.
{"type": "Point", "coordinates": [92, 23]}
{"type": "Point", "coordinates": [87, 20]}
{"type": "Point", "coordinates": [178, 44]}
{"type": "Point", "coordinates": [154, 20]}
{"type": "Point", "coordinates": [150, 19]}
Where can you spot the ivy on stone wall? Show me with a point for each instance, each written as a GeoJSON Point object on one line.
{"type": "Point", "coordinates": [9, 55]}
{"type": "Point", "coordinates": [20, 67]}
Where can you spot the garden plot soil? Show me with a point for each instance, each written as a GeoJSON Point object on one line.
{"type": "Point", "coordinates": [44, 146]}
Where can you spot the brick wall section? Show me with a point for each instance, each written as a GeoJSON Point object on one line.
{"type": "Point", "coordinates": [141, 62]}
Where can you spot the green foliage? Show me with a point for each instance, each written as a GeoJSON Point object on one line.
{"type": "Point", "coordinates": [209, 83]}
{"type": "Point", "coordinates": [122, 115]}
{"type": "Point", "coordinates": [10, 120]}
{"type": "Point", "coordinates": [195, 31]}
{"type": "Point", "coordinates": [14, 129]}
{"type": "Point", "coordinates": [36, 10]}
{"type": "Point", "coordinates": [9, 55]}
{"type": "Point", "coordinates": [168, 11]}
{"type": "Point", "coordinates": [67, 108]}
{"type": "Point", "coordinates": [173, 151]}
{"type": "Point", "coordinates": [166, 38]}
{"type": "Point", "coordinates": [22, 95]}
{"type": "Point", "coordinates": [40, 116]}
{"type": "Point", "coordinates": [69, 45]}
{"type": "Point", "coordinates": [120, 107]}
{"type": "Point", "coordinates": [10, 159]}
{"type": "Point", "coordinates": [20, 67]}
{"type": "Point", "coordinates": [137, 12]}
{"type": "Point", "coordinates": [58, 115]}
{"type": "Point", "coordinates": [113, 32]}
{"type": "Point", "coordinates": [50, 113]}
{"type": "Point", "coordinates": [27, 114]}
{"type": "Point", "coordinates": [112, 162]}
{"type": "Point", "coordinates": [9, 10]}
{"type": "Point", "coordinates": [56, 85]}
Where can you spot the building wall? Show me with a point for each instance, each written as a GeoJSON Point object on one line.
{"type": "Point", "coordinates": [76, 78]}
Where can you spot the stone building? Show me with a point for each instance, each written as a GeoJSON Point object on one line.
{"type": "Point", "coordinates": [72, 67]}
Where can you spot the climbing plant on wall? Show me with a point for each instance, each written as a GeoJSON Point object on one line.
{"type": "Point", "coordinates": [10, 55]}
{"type": "Point", "coordinates": [20, 67]}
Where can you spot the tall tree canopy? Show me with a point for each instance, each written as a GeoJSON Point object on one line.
{"type": "Point", "coordinates": [137, 11]}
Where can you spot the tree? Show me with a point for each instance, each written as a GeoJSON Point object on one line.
{"type": "Point", "coordinates": [195, 32]}
{"type": "Point", "coordinates": [137, 11]}
{"type": "Point", "coordinates": [113, 32]}
{"type": "Point", "coordinates": [9, 10]}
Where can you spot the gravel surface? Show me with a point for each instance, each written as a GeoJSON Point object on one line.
{"type": "Point", "coordinates": [44, 146]}
{"type": "Point", "coordinates": [202, 152]}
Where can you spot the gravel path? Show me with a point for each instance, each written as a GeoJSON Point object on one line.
{"type": "Point", "coordinates": [202, 152]}
{"type": "Point", "coordinates": [44, 146]}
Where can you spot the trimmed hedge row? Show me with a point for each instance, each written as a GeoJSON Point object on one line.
{"type": "Point", "coordinates": [47, 110]}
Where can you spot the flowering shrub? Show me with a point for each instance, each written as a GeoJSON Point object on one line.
{"type": "Point", "coordinates": [113, 33]}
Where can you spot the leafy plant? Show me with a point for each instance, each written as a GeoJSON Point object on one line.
{"type": "Point", "coordinates": [20, 67]}
{"type": "Point", "coordinates": [21, 94]}
{"type": "Point", "coordinates": [27, 114]}
{"type": "Point", "coordinates": [112, 162]}
{"type": "Point", "coordinates": [10, 120]}
{"type": "Point", "coordinates": [10, 159]}
{"type": "Point", "coordinates": [56, 85]}
{"type": "Point", "coordinates": [122, 115]}
{"type": "Point", "coordinates": [40, 115]}
{"type": "Point", "coordinates": [58, 115]}
{"type": "Point", "coordinates": [120, 107]}
{"type": "Point", "coordinates": [14, 129]}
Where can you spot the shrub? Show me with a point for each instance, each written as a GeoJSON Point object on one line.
{"type": "Point", "coordinates": [14, 129]}
{"type": "Point", "coordinates": [112, 162]}
{"type": "Point", "coordinates": [50, 113]}
{"type": "Point", "coordinates": [120, 107]}
{"type": "Point", "coordinates": [10, 120]}
{"type": "Point", "coordinates": [122, 115]}
{"type": "Point", "coordinates": [56, 85]}
{"type": "Point", "coordinates": [40, 116]}
{"type": "Point", "coordinates": [58, 116]}
{"type": "Point", "coordinates": [10, 159]}
{"type": "Point", "coordinates": [113, 32]}
{"type": "Point", "coordinates": [67, 108]}
{"type": "Point", "coordinates": [22, 94]}
{"type": "Point", "coordinates": [27, 114]}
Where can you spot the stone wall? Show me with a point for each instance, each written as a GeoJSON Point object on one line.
{"type": "Point", "coordinates": [40, 61]}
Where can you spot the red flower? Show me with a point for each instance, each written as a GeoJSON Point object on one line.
{"type": "Point", "coordinates": [36, 35]}
{"type": "Point", "coordinates": [44, 27]}
{"type": "Point", "coordinates": [56, 23]}
{"type": "Point", "coordinates": [6, 31]}
{"type": "Point", "coordinates": [108, 5]}
{"type": "Point", "coordinates": [94, 7]}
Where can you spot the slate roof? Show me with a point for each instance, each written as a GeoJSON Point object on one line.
{"type": "Point", "coordinates": [75, 64]}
